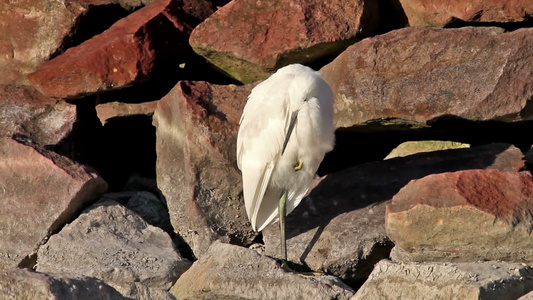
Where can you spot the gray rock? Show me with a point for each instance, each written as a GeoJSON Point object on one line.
{"type": "Point", "coordinates": [41, 191]}
{"type": "Point", "coordinates": [24, 284]}
{"type": "Point", "coordinates": [528, 296]}
{"type": "Point", "coordinates": [143, 292]}
{"type": "Point", "coordinates": [465, 281]}
{"type": "Point", "coordinates": [339, 228]}
{"type": "Point", "coordinates": [233, 272]}
{"type": "Point", "coordinates": [112, 243]}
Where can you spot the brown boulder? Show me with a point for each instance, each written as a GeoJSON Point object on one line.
{"type": "Point", "coordinates": [197, 126]}
{"type": "Point", "coordinates": [249, 40]}
{"type": "Point", "coordinates": [441, 13]}
{"type": "Point", "coordinates": [464, 216]}
{"type": "Point", "coordinates": [154, 36]}
{"type": "Point", "coordinates": [41, 191]}
{"type": "Point", "coordinates": [24, 110]}
{"type": "Point", "coordinates": [118, 109]}
{"type": "Point", "coordinates": [418, 74]}
{"type": "Point", "coordinates": [339, 227]}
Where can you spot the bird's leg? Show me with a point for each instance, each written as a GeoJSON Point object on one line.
{"type": "Point", "coordinates": [298, 166]}
{"type": "Point", "coordinates": [282, 212]}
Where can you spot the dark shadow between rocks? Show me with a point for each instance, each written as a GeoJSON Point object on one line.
{"type": "Point", "coordinates": [507, 26]}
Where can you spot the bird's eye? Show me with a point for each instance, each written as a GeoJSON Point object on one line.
{"type": "Point", "coordinates": [305, 100]}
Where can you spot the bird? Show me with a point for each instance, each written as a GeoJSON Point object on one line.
{"type": "Point", "coordinates": [285, 130]}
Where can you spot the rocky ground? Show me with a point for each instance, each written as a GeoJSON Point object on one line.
{"type": "Point", "coordinates": [118, 123]}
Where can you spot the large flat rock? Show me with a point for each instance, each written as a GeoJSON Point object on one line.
{"type": "Point", "coordinates": [465, 281]}
{"type": "Point", "coordinates": [249, 40]}
{"type": "Point", "coordinates": [41, 191]}
{"type": "Point", "coordinates": [415, 75]}
{"type": "Point", "coordinates": [233, 272]}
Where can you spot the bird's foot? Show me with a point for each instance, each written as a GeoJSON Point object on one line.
{"type": "Point", "coordinates": [286, 268]}
{"type": "Point", "coordinates": [298, 165]}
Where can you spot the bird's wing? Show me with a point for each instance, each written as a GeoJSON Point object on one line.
{"type": "Point", "coordinates": [259, 144]}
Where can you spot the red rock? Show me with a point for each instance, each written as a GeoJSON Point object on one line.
{"type": "Point", "coordinates": [31, 31]}
{"type": "Point", "coordinates": [41, 191]}
{"type": "Point", "coordinates": [464, 216]}
{"type": "Point", "coordinates": [127, 52]}
{"type": "Point", "coordinates": [24, 110]}
{"type": "Point", "coordinates": [419, 74]}
{"type": "Point", "coordinates": [441, 13]}
{"type": "Point", "coordinates": [196, 126]}
{"type": "Point", "coordinates": [250, 39]}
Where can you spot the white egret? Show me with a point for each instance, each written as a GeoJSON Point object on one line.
{"type": "Point", "coordinates": [286, 128]}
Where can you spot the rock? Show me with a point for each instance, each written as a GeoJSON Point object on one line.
{"type": "Point", "coordinates": [415, 75]}
{"type": "Point", "coordinates": [281, 33]}
{"type": "Point", "coordinates": [465, 215]}
{"type": "Point", "coordinates": [233, 272]}
{"type": "Point", "coordinates": [41, 191]}
{"type": "Point", "coordinates": [197, 126]}
{"type": "Point", "coordinates": [528, 296]}
{"type": "Point", "coordinates": [32, 31]}
{"type": "Point", "coordinates": [151, 208]}
{"type": "Point", "coordinates": [112, 243]}
{"type": "Point", "coordinates": [126, 53]}
{"type": "Point", "coordinates": [442, 13]}
{"type": "Point", "coordinates": [118, 109]}
{"type": "Point", "coordinates": [480, 280]}
{"type": "Point", "coordinates": [412, 147]}
{"type": "Point", "coordinates": [26, 111]}
{"type": "Point", "coordinates": [143, 292]}
{"type": "Point", "coordinates": [24, 284]}
{"type": "Point", "coordinates": [339, 227]}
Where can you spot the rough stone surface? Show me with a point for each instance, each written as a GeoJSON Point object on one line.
{"type": "Point", "coordinates": [127, 52]}
{"type": "Point", "coordinates": [41, 191]}
{"type": "Point", "coordinates": [412, 147]}
{"type": "Point", "coordinates": [143, 292]}
{"type": "Point", "coordinates": [466, 216]}
{"type": "Point", "coordinates": [339, 227]}
{"type": "Point", "coordinates": [233, 272]}
{"type": "Point", "coordinates": [282, 32]}
{"type": "Point", "coordinates": [475, 281]}
{"type": "Point", "coordinates": [197, 126]}
{"type": "Point", "coordinates": [528, 296]}
{"type": "Point", "coordinates": [442, 13]}
{"type": "Point", "coordinates": [118, 109]}
{"type": "Point", "coordinates": [420, 74]}
{"type": "Point", "coordinates": [24, 110]}
{"type": "Point", "coordinates": [24, 284]}
{"type": "Point", "coordinates": [112, 243]}
{"type": "Point", "coordinates": [32, 31]}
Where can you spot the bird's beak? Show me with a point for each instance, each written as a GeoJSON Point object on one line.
{"type": "Point", "coordinates": [294, 115]}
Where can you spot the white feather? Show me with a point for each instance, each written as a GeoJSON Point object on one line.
{"type": "Point", "coordinates": [263, 127]}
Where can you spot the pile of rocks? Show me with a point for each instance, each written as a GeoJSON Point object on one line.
{"type": "Point", "coordinates": [118, 171]}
